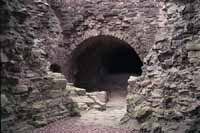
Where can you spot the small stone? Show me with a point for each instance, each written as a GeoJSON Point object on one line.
{"type": "Point", "coordinates": [193, 46]}
{"type": "Point", "coordinates": [4, 100]}
{"type": "Point", "coordinates": [173, 85]}
{"type": "Point", "coordinates": [132, 79]}
{"type": "Point", "coordinates": [56, 75]}
{"type": "Point", "coordinates": [156, 93]}
{"type": "Point", "coordinates": [59, 84]}
{"type": "Point", "coordinates": [39, 120]}
{"type": "Point", "coordinates": [83, 106]}
{"type": "Point", "coordinates": [21, 89]}
{"type": "Point", "coordinates": [74, 91]}
{"type": "Point", "coordinates": [194, 54]}
{"type": "Point", "coordinates": [38, 52]}
{"type": "Point", "coordinates": [101, 96]}
{"type": "Point", "coordinates": [100, 18]}
{"type": "Point", "coordinates": [40, 105]}
{"type": "Point", "coordinates": [4, 58]}
{"type": "Point", "coordinates": [82, 99]}
{"type": "Point", "coordinates": [145, 83]}
{"type": "Point", "coordinates": [141, 112]}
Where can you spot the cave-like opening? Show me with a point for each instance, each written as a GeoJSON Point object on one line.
{"type": "Point", "coordinates": [55, 68]}
{"type": "Point", "coordinates": [104, 63]}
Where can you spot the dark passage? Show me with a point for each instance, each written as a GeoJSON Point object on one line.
{"type": "Point", "coordinates": [55, 68]}
{"type": "Point", "coordinates": [122, 60]}
{"type": "Point", "coordinates": [104, 62]}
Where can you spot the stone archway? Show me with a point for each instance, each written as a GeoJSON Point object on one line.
{"type": "Point", "coordinates": [104, 63]}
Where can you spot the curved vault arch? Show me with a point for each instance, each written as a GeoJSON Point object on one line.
{"type": "Point", "coordinates": [100, 57]}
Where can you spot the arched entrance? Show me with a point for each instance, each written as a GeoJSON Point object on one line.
{"type": "Point", "coordinates": [104, 63]}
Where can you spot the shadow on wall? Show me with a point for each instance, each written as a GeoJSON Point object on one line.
{"type": "Point", "coordinates": [100, 57]}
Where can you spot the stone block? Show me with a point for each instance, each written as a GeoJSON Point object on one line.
{"type": "Point", "coordinates": [39, 106]}
{"type": "Point", "coordinates": [83, 99]}
{"type": "Point", "coordinates": [59, 83]}
{"type": "Point", "coordinates": [4, 100]}
{"type": "Point", "coordinates": [194, 54]}
{"type": "Point", "coordinates": [20, 89]}
{"type": "Point", "coordinates": [156, 93]}
{"type": "Point", "coordinates": [74, 91]}
{"type": "Point", "coordinates": [83, 106]}
{"type": "Point", "coordinates": [193, 46]}
{"type": "Point", "coordinates": [54, 93]}
{"type": "Point", "coordinates": [101, 96]}
{"type": "Point", "coordinates": [56, 75]}
{"type": "Point", "coordinates": [39, 120]}
{"type": "Point", "coordinates": [53, 102]}
{"type": "Point", "coordinates": [132, 80]}
{"type": "Point", "coordinates": [4, 58]}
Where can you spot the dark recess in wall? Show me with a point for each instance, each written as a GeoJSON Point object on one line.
{"type": "Point", "coordinates": [102, 56]}
{"type": "Point", "coordinates": [55, 68]}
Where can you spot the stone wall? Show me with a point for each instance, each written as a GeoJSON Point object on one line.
{"type": "Point", "coordinates": [28, 31]}
{"type": "Point", "coordinates": [166, 97]}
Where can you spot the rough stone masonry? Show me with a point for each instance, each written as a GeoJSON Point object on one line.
{"type": "Point", "coordinates": [37, 33]}
{"type": "Point", "coordinates": [166, 97]}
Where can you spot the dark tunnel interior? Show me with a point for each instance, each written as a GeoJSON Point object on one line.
{"type": "Point", "coordinates": [122, 60]}
{"type": "Point", "coordinates": [102, 62]}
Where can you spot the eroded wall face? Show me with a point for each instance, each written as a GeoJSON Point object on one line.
{"type": "Point", "coordinates": [166, 97]}
{"type": "Point", "coordinates": [29, 34]}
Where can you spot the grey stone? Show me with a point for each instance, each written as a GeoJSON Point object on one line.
{"type": "Point", "coordinates": [141, 112]}
{"type": "Point", "coordinates": [101, 96]}
{"type": "Point", "coordinates": [193, 46]}
{"type": "Point", "coordinates": [74, 91]}
{"type": "Point", "coordinates": [4, 58]}
{"type": "Point", "coordinates": [82, 99]}
{"type": "Point", "coordinates": [21, 89]}
{"type": "Point", "coordinates": [4, 100]}
{"type": "Point", "coordinates": [194, 54]}
{"type": "Point", "coordinates": [59, 84]}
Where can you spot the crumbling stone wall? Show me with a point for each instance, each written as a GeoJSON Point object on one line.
{"type": "Point", "coordinates": [166, 97]}
{"type": "Point", "coordinates": [29, 34]}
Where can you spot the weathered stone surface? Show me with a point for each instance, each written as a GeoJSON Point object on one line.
{"type": "Point", "coordinates": [193, 46]}
{"type": "Point", "coordinates": [83, 99]}
{"type": "Point", "coordinates": [101, 96]}
{"type": "Point", "coordinates": [21, 89]}
{"type": "Point", "coordinates": [4, 100]}
{"type": "Point", "coordinates": [59, 84]}
{"type": "Point", "coordinates": [167, 90]}
{"type": "Point", "coordinates": [4, 58]}
{"type": "Point", "coordinates": [142, 112]}
{"type": "Point", "coordinates": [74, 91]}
